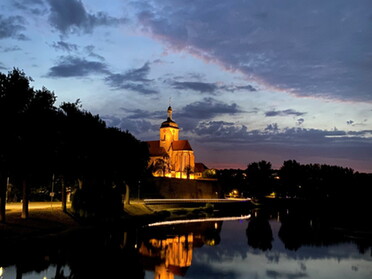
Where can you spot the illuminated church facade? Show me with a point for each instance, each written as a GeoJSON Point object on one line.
{"type": "Point", "coordinates": [170, 156]}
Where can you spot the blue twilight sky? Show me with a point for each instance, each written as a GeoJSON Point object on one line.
{"type": "Point", "coordinates": [248, 80]}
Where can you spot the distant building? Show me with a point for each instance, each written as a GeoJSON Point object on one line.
{"type": "Point", "coordinates": [171, 157]}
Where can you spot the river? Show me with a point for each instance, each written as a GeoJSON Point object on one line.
{"type": "Point", "coordinates": [264, 244]}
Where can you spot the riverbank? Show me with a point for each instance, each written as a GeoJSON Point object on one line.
{"type": "Point", "coordinates": [40, 222]}
{"type": "Point", "coordinates": [47, 218]}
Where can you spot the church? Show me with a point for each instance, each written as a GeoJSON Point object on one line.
{"type": "Point", "coordinates": [171, 157]}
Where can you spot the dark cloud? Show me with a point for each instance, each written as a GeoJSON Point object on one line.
{"type": "Point", "coordinates": [135, 126]}
{"type": "Point", "coordinates": [244, 87]}
{"type": "Point", "coordinates": [70, 16]}
{"type": "Point", "coordinates": [220, 129]}
{"type": "Point", "coordinates": [139, 74]}
{"type": "Point", "coordinates": [202, 87]}
{"type": "Point", "coordinates": [71, 66]}
{"type": "Point", "coordinates": [140, 88]}
{"type": "Point", "coordinates": [312, 48]}
{"type": "Point", "coordinates": [143, 114]}
{"type": "Point", "coordinates": [208, 108]}
{"type": "Point", "coordinates": [276, 274]}
{"type": "Point", "coordinates": [349, 149]}
{"type": "Point", "coordinates": [134, 79]}
{"type": "Point", "coordinates": [272, 128]}
{"type": "Point", "coordinates": [91, 53]}
{"type": "Point", "coordinates": [351, 142]}
{"type": "Point", "coordinates": [286, 112]}
{"type": "Point", "coordinates": [205, 271]}
{"type": "Point", "coordinates": [300, 121]}
{"type": "Point", "coordinates": [349, 122]}
{"type": "Point", "coordinates": [11, 49]}
{"type": "Point", "coordinates": [133, 75]}
{"type": "Point", "coordinates": [61, 45]}
{"type": "Point", "coordinates": [208, 88]}
{"type": "Point", "coordinates": [12, 27]}
{"type": "Point", "coordinates": [35, 7]}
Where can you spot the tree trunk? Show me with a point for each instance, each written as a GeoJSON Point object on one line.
{"type": "Point", "coordinates": [126, 194]}
{"type": "Point", "coordinates": [64, 196]}
{"type": "Point", "coordinates": [3, 187]}
{"type": "Point", "coordinates": [24, 200]}
{"type": "Point", "coordinates": [80, 183]}
{"type": "Point", "coordinates": [18, 272]}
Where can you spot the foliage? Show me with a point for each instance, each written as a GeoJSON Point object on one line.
{"type": "Point", "coordinates": [294, 180]}
{"type": "Point", "coordinates": [41, 139]}
{"type": "Point", "coordinates": [260, 178]}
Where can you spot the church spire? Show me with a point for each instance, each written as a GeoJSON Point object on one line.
{"type": "Point", "coordinates": [169, 112]}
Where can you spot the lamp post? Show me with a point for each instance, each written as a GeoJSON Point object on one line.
{"type": "Point", "coordinates": [52, 192]}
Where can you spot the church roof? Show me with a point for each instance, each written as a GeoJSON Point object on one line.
{"type": "Point", "coordinates": [181, 145]}
{"type": "Point", "coordinates": [155, 149]}
{"type": "Point", "coordinates": [200, 167]}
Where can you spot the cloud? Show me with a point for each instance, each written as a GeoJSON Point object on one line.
{"type": "Point", "coordinates": [133, 79]}
{"type": "Point", "coordinates": [2, 66]}
{"type": "Point", "coordinates": [274, 128]}
{"type": "Point", "coordinates": [300, 121]}
{"type": "Point", "coordinates": [202, 87]}
{"type": "Point", "coordinates": [140, 88]}
{"type": "Point", "coordinates": [11, 49]}
{"type": "Point", "coordinates": [135, 126]}
{"type": "Point", "coordinates": [61, 45]}
{"type": "Point", "coordinates": [344, 148]}
{"type": "Point", "coordinates": [207, 87]}
{"type": "Point", "coordinates": [139, 74]}
{"type": "Point", "coordinates": [286, 112]}
{"type": "Point", "coordinates": [220, 129]}
{"type": "Point", "coordinates": [208, 108]}
{"type": "Point", "coordinates": [12, 27]}
{"type": "Point", "coordinates": [143, 114]}
{"type": "Point", "coordinates": [276, 274]}
{"type": "Point", "coordinates": [72, 66]}
{"type": "Point", "coordinates": [91, 53]}
{"type": "Point", "coordinates": [310, 48]}
{"type": "Point", "coordinates": [35, 7]}
{"type": "Point", "coordinates": [244, 87]}
{"type": "Point", "coordinates": [231, 134]}
{"type": "Point", "coordinates": [189, 116]}
{"type": "Point", "coordinates": [70, 16]}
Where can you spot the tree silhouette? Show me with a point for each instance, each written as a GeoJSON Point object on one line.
{"type": "Point", "coordinates": [259, 232]}
{"type": "Point", "coordinates": [21, 144]}
{"type": "Point", "coordinates": [259, 177]}
{"type": "Point", "coordinates": [161, 166]}
{"type": "Point", "coordinates": [188, 169]}
{"type": "Point", "coordinates": [41, 141]}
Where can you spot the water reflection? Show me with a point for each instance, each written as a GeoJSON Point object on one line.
{"type": "Point", "coordinates": [272, 244]}
{"type": "Point", "coordinates": [259, 232]}
{"type": "Point", "coordinates": [170, 252]}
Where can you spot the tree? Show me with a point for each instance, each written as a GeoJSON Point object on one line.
{"type": "Point", "coordinates": [41, 141]}
{"type": "Point", "coordinates": [161, 166]}
{"type": "Point", "coordinates": [17, 98]}
{"type": "Point", "coordinates": [259, 177]}
{"type": "Point", "coordinates": [188, 169]}
{"type": "Point", "coordinates": [292, 177]}
{"type": "Point", "coordinates": [232, 179]}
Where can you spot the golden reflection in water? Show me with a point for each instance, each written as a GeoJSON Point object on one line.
{"type": "Point", "coordinates": [171, 256]}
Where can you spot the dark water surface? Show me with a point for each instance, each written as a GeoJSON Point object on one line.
{"type": "Point", "coordinates": [278, 244]}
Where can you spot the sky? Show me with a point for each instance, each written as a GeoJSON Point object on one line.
{"type": "Point", "coordinates": [249, 80]}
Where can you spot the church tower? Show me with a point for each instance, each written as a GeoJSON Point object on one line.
{"type": "Point", "coordinates": [168, 131]}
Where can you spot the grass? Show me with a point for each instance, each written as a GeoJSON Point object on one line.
{"type": "Point", "coordinates": [40, 222]}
